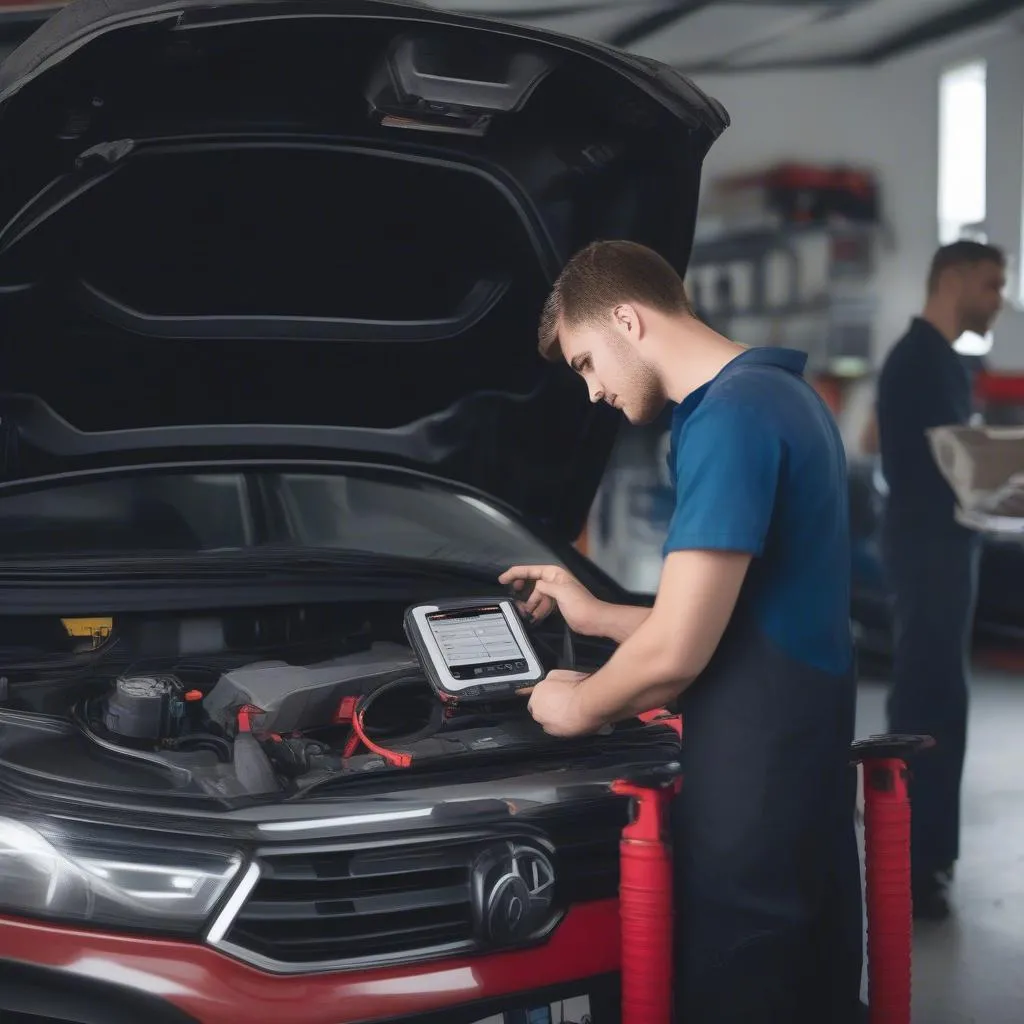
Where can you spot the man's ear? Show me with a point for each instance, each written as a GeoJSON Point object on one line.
{"type": "Point", "coordinates": [627, 319]}
{"type": "Point", "coordinates": [630, 322]}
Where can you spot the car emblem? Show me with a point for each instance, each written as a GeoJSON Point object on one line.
{"type": "Point", "coordinates": [513, 892]}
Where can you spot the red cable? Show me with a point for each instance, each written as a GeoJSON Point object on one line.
{"type": "Point", "coordinates": [887, 881]}
{"type": "Point", "coordinates": [665, 717]}
{"type": "Point", "coordinates": [351, 746]}
{"type": "Point", "coordinates": [392, 757]}
{"type": "Point", "coordinates": [399, 760]}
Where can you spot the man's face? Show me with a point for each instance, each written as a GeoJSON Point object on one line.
{"type": "Point", "coordinates": [981, 296]}
{"type": "Point", "coordinates": [613, 370]}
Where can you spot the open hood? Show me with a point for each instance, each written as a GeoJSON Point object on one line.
{"type": "Point", "coordinates": [322, 224]}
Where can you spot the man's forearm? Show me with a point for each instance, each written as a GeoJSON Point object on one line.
{"type": "Point", "coordinates": [639, 677]}
{"type": "Point", "coordinates": [669, 647]}
{"type": "Point", "coordinates": [619, 622]}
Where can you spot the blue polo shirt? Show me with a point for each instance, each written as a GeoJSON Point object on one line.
{"type": "Point", "coordinates": [759, 466]}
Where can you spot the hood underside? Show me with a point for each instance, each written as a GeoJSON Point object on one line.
{"type": "Point", "coordinates": [326, 214]}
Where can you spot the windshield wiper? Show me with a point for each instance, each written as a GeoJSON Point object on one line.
{"type": "Point", "coordinates": [241, 565]}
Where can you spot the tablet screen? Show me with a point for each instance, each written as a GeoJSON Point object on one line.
{"type": "Point", "coordinates": [477, 643]}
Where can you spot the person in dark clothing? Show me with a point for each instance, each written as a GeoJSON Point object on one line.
{"type": "Point", "coordinates": [931, 561]}
{"type": "Point", "coordinates": [749, 636]}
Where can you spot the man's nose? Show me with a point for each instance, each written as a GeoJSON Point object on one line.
{"type": "Point", "coordinates": [596, 393]}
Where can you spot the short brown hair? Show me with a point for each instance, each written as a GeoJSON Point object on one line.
{"type": "Point", "coordinates": [963, 253]}
{"type": "Point", "coordinates": [601, 276]}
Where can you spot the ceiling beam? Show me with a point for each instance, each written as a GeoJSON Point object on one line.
{"type": "Point", "coordinates": [16, 26]}
{"type": "Point", "coordinates": [542, 12]}
{"type": "Point", "coordinates": [932, 30]}
{"type": "Point", "coordinates": [657, 21]}
{"type": "Point", "coordinates": [722, 67]}
{"type": "Point", "coordinates": [833, 5]}
{"type": "Point", "coordinates": [824, 12]}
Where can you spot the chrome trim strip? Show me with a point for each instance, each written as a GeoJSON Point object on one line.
{"type": "Point", "coordinates": [350, 821]}
{"type": "Point", "coordinates": [226, 918]}
{"type": "Point", "coordinates": [264, 963]}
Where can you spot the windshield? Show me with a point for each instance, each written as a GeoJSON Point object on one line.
{"type": "Point", "coordinates": [193, 512]}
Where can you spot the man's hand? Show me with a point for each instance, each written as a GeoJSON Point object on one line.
{"type": "Point", "coordinates": [555, 705]}
{"type": "Point", "coordinates": [555, 587]}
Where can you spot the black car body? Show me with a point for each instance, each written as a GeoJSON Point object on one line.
{"type": "Point", "coordinates": [269, 278]}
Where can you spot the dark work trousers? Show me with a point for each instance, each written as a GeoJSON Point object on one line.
{"type": "Point", "coordinates": [933, 574]}
{"type": "Point", "coordinates": [768, 908]}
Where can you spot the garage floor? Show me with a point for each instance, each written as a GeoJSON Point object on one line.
{"type": "Point", "coordinates": [970, 970]}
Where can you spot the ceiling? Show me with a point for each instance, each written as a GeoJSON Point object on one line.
{"type": "Point", "coordinates": [703, 35]}
{"type": "Point", "coordinates": [733, 35]}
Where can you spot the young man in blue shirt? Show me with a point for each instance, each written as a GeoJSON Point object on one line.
{"type": "Point", "coordinates": [749, 636]}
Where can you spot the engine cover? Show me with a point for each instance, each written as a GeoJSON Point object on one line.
{"type": "Point", "coordinates": [297, 697]}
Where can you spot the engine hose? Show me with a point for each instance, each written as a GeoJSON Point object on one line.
{"type": "Point", "coordinates": [214, 744]}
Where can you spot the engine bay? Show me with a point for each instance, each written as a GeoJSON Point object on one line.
{"type": "Point", "coordinates": [265, 704]}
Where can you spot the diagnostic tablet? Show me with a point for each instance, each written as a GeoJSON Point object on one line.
{"type": "Point", "coordinates": [472, 649]}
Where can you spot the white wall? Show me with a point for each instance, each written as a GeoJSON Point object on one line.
{"type": "Point", "coordinates": [886, 118]}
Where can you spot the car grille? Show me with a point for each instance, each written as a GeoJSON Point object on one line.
{"type": "Point", "coordinates": [356, 907]}
{"type": "Point", "coordinates": [587, 842]}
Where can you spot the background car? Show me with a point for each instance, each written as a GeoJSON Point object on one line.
{"type": "Point", "coordinates": [999, 620]}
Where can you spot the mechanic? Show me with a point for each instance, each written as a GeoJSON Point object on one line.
{"type": "Point", "coordinates": [749, 637]}
{"type": "Point", "coordinates": [930, 560]}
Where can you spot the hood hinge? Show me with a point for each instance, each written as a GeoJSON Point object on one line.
{"type": "Point", "coordinates": [106, 152]}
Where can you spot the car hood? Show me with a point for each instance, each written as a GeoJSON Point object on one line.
{"type": "Point", "coordinates": [322, 224]}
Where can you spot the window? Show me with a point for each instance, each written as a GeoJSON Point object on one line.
{"type": "Point", "coordinates": [1018, 284]}
{"type": "Point", "coordinates": [186, 513]}
{"type": "Point", "coordinates": [161, 512]}
{"type": "Point", "coordinates": [962, 168]}
{"type": "Point", "coordinates": [365, 514]}
{"type": "Point", "coordinates": [962, 142]}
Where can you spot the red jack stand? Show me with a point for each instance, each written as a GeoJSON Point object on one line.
{"type": "Point", "coordinates": [645, 886]}
{"type": "Point", "coordinates": [645, 897]}
{"type": "Point", "coordinates": [887, 872]}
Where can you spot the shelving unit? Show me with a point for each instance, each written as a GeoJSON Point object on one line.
{"type": "Point", "coordinates": [805, 286]}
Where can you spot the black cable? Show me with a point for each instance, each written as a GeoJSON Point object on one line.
{"type": "Point", "coordinates": [433, 723]}
{"type": "Point", "coordinates": [568, 649]}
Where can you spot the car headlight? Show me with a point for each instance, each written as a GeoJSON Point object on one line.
{"type": "Point", "coordinates": [47, 872]}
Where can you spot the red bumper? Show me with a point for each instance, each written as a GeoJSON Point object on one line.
{"type": "Point", "coordinates": [214, 989]}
